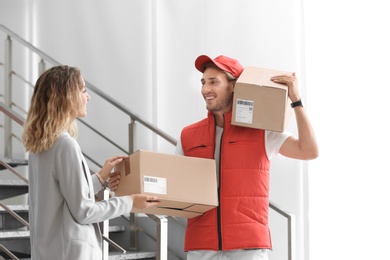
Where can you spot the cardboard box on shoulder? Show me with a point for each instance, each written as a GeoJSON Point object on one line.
{"type": "Point", "coordinates": [186, 186]}
{"type": "Point", "coordinates": [259, 102]}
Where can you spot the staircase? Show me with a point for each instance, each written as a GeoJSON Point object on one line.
{"type": "Point", "coordinates": [14, 233]}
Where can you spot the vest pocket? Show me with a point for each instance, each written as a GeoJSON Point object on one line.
{"type": "Point", "coordinates": [201, 151]}
{"type": "Point", "coordinates": [201, 146]}
{"type": "Point", "coordinates": [251, 213]}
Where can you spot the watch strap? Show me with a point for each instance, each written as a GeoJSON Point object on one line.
{"type": "Point", "coordinates": [297, 104]}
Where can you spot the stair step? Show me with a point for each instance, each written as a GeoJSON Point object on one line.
{"type": "Point", "coordinates": [16, 208]}
{"type": "Point", "coordinates": [113, 229]}
{"type": "Point", "coordinates": [125, 256]}
{"type": "Point", "coordinates": [16, 241]}
{"type": "Point", "coordinates": [8, 222]}
{"type": "Point", "coordinates": [13, 162]}
{"type": "Point", "coordinates": [131, 255]}
{"type": "Point", "coordinates": [21, 234]}
{"type": "Point", "coordinates": [14, 234]}
{"type": "Point", "coordinates": [19, 241]}
{"type": "Point", "coordinates": [12, 188]}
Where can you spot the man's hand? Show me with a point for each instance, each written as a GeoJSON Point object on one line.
{"type": "Point", "coordinates": [291, 82]}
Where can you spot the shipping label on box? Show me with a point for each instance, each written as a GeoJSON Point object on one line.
{"type": "Point", "coordinates": [185, 186]}
{"type": "Point", "coordinates": [244, 111]}
{"type": "Point", "coordinates": [155, 185]}
{"type": "Point", "coordinates": [259, 102]}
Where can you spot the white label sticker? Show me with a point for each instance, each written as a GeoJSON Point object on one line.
{"type": "Point", "coordinates": [155, 185]}
{"type": "Point", "coordinates": [244, 111]}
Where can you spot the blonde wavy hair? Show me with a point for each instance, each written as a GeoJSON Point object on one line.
{"type": "Point", "coordinates": [55, 102]}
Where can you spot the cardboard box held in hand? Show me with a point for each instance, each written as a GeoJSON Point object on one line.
{"type": "Point", "coordinates": [259, 102]}
{"type": "Point", "coordinates": [186, 186]}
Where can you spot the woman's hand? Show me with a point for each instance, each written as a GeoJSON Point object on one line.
{"type": "Point", "coordinates": [109, 165]}
{"type": "Point", "coordinates": [141, 201]}
{"type": "Point", "coordinates": [113, 180]}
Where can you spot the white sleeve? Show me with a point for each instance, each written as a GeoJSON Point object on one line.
{"type": "Point", "coordinates": [97, 185]}
{"type": "Point", "coordinates": [273, 142]}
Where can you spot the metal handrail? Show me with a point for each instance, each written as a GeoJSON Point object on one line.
{"type": "Point", "coordinates": [18, 119]}
{"type": "Point", "coordinates": [162, 223]}
{"type": "Point", "coordinates": [290, 227]}
{"type": "Point", "coordinates": [93, 88]}
{"type": "Point", "coordinates": [11, 114]}
{"type": "Point", "coordinates": [134, 118]}
{"type": "Point", "coordinates": [28, 45]}
{"type": "Point", "coordinates": [15, 215]}
{"type": "Point", "coordinates": [8, 167]}
{"type": "Point", "coordinates": [9, 253]}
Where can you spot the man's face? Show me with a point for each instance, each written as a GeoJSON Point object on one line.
{"type": "Point", "coordinates": [217, 91]}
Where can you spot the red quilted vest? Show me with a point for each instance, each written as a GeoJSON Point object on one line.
{"type": "Point", "coordinates": [241, 220]}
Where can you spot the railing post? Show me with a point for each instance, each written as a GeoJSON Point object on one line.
{"type": "Point", "coordinates": [104, 226]}
{"type": "Point", "coordinates": [131, 135]}
{"type": "Point", "coordinates": [161, 236]}
{"type": "Point", "coordinates": [291, 245]}
{"type": "Point", "coordinates": [41, 67]}
{"type": "Point", "coordinates": [8, 96]}
{"type": "Point", "coordinates": [291, 238]}
{"type": "Point", "coordinates": [133, 232]}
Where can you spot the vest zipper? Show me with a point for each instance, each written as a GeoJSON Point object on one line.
{"type": "Point", "coordinates": [219, 196]}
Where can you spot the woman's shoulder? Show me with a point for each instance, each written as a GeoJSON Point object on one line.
{"type": "Point", "coordinates": [66, 142]}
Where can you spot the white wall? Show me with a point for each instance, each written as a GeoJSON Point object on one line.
{"type": "Point", "coordinates": [15, 14]}
{"type": "Point", "coordinates": [348, 90]}
{"type": "Point", "coordinates": [142, 53]}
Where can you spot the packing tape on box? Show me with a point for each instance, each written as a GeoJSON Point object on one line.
{"type": "Point", "coordinates": [127, 165]}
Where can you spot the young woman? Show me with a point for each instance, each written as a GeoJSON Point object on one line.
{"type": "Point", "coordinates": [64, 215]}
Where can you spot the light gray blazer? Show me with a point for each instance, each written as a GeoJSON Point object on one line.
{"type": "Point", "coordinates": [63, 213]}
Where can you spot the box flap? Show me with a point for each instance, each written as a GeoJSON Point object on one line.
{"type": "Point", "coordinates": [167, 212]}
{"type": "Point", "coordinates": [173, 204]}
{"type": "Point", "coordinates": [261, 77]}
{"type": "Point", "coordinates": [175, 208]}
{"type": "Point", "coordinates": [199, 208]}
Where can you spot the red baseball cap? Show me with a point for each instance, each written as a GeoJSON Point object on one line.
{"type": "Point", "coordinates": [224, 63]}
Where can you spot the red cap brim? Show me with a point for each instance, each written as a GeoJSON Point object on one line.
{"type": "Point", "coordinates": [201, 61]}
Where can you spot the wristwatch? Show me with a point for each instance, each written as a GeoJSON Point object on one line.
{"type": "Point", "coordinates": [297, 104]}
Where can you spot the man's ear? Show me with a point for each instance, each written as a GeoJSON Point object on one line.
{"type": "Point", "coordinates": [233, 84]}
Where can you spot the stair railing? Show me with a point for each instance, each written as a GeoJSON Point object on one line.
{"type": "Point", "coordinates": [133, 117]}
{"type": "Point", "coordinates": [290, 229]}
{"type": "Point", "coordinates": [15, 215]}
{"type": "Point", "coordinates": [15, 117]}
{"type": "Point", "coordinates": [9, 253]}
